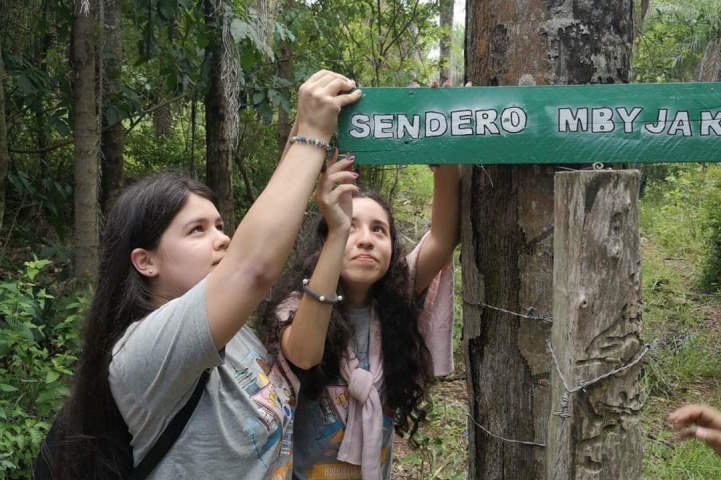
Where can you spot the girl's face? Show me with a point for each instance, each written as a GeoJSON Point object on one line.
{"type": "Point", "coordinates": [189, 249]}
{"type": "Point", "coordinates": [368, 251]}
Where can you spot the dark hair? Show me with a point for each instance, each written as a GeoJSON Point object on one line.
{"type": "Point", "coordinates": [405, 355]}
{"type": "Point", "coordinates": [96, 439]}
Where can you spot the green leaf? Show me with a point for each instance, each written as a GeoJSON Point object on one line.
{"type": "Point", "coordinates": [258, 97]}
{"type": "Point", "coordinates": [51, 376]}
{"type": "Point", "coordinates": [26, 85]}
{"type": "Point", "coordinates": [240, 30]}
{"type": "Point", "coordinates": [4, 387]}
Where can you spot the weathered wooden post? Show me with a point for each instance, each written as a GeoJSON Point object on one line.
{"type": "Point", "coordinates": [594, 431]}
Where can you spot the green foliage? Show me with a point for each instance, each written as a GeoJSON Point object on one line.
{"type": "Point", "coordinates": [681, 324]}
{"type": "Point", "coordinates": [672, 39]}
{"type": "Point", "coordinates": [38, 342]}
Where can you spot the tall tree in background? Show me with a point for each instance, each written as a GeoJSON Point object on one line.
{"type": "Point", "coordinates": [285, 71]}
{"type": "Point", "coordinates": [446, 23]}
{"type": "Point", "coordinates": [111, 163]}
{"type": "Point", "coordinates": [4, 153]}
{"type": "Point", "coordinates": [507, 229]}
{"type": "Point", "coordinates": [218, 114]}
{"type": "Point", "coordinates": [85, 136]}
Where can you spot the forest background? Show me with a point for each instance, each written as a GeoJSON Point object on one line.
{"type": "Point", "coordinates": [152, 82]}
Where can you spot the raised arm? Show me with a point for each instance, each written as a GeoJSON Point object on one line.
{"type": "Point", "coordinates": [263, 240]}
{"type": "Point", "coordinates": [437, 249]}
{"type": "Point", "coordinates": [303, 341]}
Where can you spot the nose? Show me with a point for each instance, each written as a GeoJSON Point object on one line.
{"type": "Point", "coordinates": [364, 239]}
{"type": "Point", "coordinates": [222, 241]}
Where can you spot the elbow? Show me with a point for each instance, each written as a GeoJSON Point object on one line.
{"type": "Point", "coordinates": [306, 363]}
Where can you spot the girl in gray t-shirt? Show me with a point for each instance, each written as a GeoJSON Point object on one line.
{"type": "Point", "coordinates": [172, 298]}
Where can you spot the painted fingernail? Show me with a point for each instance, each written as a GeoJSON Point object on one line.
{"type": "Point", "coordinates": [356, 175]}
{"type": "Point", "coordinates": [350, 158]}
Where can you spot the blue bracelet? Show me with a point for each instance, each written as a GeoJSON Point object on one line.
{"type": "Point", "coordinates": [320, 298]}
{"type": "Point", "coordinates": [313, 141]}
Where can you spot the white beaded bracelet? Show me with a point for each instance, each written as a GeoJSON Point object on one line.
{"type": "Point", "coordinates": [320, 298]}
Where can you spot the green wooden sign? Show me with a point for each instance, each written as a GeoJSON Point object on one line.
{"type": "Point", "coordinates": [535, 124]}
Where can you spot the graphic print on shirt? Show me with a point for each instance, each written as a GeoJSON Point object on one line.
{"type": "Point", "coordinates": [267, 385]}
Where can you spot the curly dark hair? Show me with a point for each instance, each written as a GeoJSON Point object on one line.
{"type": "Point", "coordinates": [95, 439]}
{"type": "Point", "coordinates": [406, 359]}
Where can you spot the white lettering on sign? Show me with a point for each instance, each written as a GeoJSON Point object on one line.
{"type": "Point", "coordinates": [514, 120]}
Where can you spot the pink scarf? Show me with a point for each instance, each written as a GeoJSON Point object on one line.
{"type": "Point", "coordinates": [361, 443]}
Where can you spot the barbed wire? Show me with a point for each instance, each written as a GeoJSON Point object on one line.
{"type": "Point", "coordinates": [568, 391]}
{"type": "Point", "coordinates": [582, 385]}
{"type": "Point", "coordinates": [499, 309]}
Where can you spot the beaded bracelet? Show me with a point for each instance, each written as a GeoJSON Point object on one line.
{"type": "Point", "coordinates": [320, 298]}
{"type": "Point", "coordinates": [313, 141]}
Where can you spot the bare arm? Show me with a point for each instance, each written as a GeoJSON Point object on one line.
{"type": "Point", "coordinates": [264, 238]}
{"type": "Point", "coordinates": [438, 247]}
{"type": "Point", "coordinates": [303, 341]}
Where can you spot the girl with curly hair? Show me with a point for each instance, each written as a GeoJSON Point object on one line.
{"type": "Point", "coordinates": [363, 325]}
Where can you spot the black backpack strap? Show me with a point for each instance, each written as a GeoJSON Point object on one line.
{"type": "Point", "coordinates": [171, 432]}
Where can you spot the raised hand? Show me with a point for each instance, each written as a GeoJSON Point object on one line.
{"type": "Point", "coordinates": [320, 99]}
{"type": "Point", "coordinates": [333, 193]}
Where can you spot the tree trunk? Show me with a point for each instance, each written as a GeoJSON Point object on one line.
{"type": "Point", "coordinates": [219, 151]}
{"type": "Point", "coordinates": [4, 153]}
{"type": "Point", "coordinates": [85, 135]}
{"type": "Point", "coordinates": [285, 63]}
{"type": "Point", "coordinates": [446, 20]}
{"type": "Point", "coordinates": [112, 135]}
{"type": "Point", "coordinates": [507, 226]}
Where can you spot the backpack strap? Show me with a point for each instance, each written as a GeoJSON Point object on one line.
{"type": "Point", "coordinates": [171, 432]}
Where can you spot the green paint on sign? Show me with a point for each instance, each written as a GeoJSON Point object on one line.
{"type": "Point", "coordinates": [645, 123]}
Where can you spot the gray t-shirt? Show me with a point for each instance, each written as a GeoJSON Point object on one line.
{"type": "Point", "coordinates": [243, 424]}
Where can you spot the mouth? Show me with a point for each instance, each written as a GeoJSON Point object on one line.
{"type": "Point", "coordinates": [364, 258]}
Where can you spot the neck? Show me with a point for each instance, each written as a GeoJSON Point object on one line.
{"type": "Point", "coordinates": [356, 296]}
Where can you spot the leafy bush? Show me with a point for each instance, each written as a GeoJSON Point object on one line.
{"type": "Point", "coordinates": [38, 341]}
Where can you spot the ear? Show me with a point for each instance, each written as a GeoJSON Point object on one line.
{"type": "Point", "coordinates": [142, 260]}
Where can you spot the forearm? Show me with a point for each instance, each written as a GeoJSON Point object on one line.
{"type": "Point", "coordinates": [446, 209]}
{"type": "Point", "coordinates": [303, 341]}
{"type": "Point", "coordinates": [445, 226]}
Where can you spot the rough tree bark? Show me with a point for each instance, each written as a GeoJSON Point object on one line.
{"type": "Point", "coordinates": [596, 328]}
{"type": "Point", "coordinates": [85, 135]}
{"type": "Point", "coordinates": [507, 226]}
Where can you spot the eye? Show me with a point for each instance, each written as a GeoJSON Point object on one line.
{"type": "Point", "coordinates": [197, 229]}
{"type": "Point", "coordinates": [379, 229]}
{"type": "Point", "coordinates": [220, 227]}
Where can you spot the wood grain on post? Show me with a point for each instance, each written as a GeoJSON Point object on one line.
{"type": "Point", "coordinates": [596, 327]}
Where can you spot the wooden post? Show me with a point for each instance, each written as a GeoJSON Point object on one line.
{"type": "Point", "coordinates": [596, 328]}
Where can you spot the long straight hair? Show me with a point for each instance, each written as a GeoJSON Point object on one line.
{"type": "Point", "coordinates": [95, 438]}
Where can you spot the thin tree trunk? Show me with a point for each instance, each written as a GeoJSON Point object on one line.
{"type": "Point", "coordinates": [219, 151]}
{"type": "Point", "coordinates": [507, 227]}
{"type": "Point", "coordinates": [285, 63]}
{"type": "Point", "coordinates": [4, 153]}
{"type": "Point", "coordinates": [85, 134]}
{"type": "Point", "coordinates": [446, 21]}
{"type": "Point", "coordinates": [112, 135]}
